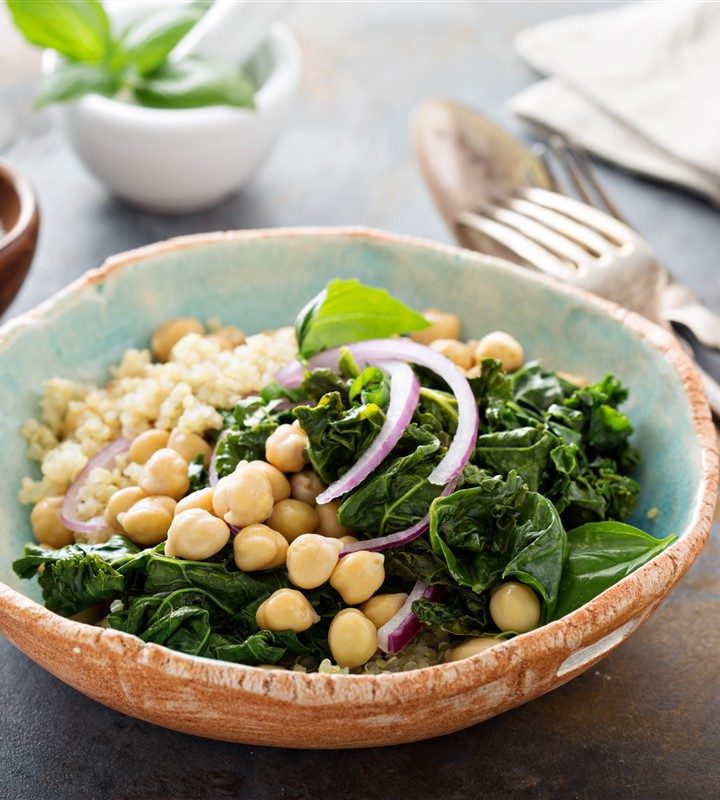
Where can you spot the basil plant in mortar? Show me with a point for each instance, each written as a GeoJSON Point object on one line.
{"type": "Point", "coordinates": [130, 64]}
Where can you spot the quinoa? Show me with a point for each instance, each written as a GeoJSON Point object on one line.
{"type": "Point", "coordinates": [77, 420]}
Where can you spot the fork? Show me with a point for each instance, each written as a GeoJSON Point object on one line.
{"type": "Point", "coordinates": [580, 245]}
{"type": "Point", "coordinates": [679, 304]}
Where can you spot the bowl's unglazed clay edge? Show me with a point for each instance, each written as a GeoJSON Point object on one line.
{"type": "Point", "coordinates": [281, 708]}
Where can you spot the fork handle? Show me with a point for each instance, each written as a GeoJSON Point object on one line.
{"type": "Point", "coordinates": [712, 390]}
{"type": "Point", "coordinates": [680, 305]}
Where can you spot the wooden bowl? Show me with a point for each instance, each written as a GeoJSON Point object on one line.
{"type": "Point", "coordinates": [258, 279]}
{"type": "Point", "coordinates": [19, 223]}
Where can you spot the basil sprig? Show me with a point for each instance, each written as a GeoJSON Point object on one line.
{"type": "Point", "coordinates": [134, 61]}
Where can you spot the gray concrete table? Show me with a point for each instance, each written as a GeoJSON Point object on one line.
{"type": "Point", "coordinates": [645, 723]}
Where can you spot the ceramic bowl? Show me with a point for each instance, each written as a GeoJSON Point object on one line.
{"type": "Point", "coordinates": [258, 279]}
{"type": "Point", "coordinates": [19, 224]}
{"type": "Point", "coordinates": [178, 161]}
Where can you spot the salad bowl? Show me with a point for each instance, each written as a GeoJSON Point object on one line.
{"type": "Point", "coordinates": [257, 280]}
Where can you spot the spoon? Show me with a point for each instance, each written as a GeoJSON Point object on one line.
{"type": "Point", "coordinates": [467, 161]}
{"type": "Point", "coordinates": [230, 30]}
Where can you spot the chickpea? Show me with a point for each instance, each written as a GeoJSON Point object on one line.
{"type": "Point", "coordinates": [119, 502]}
{"type": "Point", "coordinates": [286, 610]}
{"type": "Point", "coordinates": [258, 547]}
{"type": "Point", "coordinates": [515, 607]}
{"type": "Point", "coordinates": [278, 482]}
{"type": "Point", "coordinates": [196, 535]}
{"type": "Point", "coordinates": [383, 607]}
{"type": "Point", "coordinates": [306, 486]}
{"type": "Point", "coordinates": [502, 346]}
{"type": "Point", "coordinates": [293, 518]}
{"type": "Point", "coordinates": [458, 352]}
{"type": "Point", "coordinates": [228, 337]}
{"type": "Point", "coordinates": [189, 445]}
{"type": "Point", "coordinates": [166, 472]}
{"type": "Point", "coordinates": [352, 638]}
{"type": "Point", "coordinates": [328, 524]}
{"type": "Point", "coordinates": [47, 524]}
{"type": "Point", "coordinates": [471, 647]}
{"type": "Point", "coordinates": [147, 522]}
{"type": "Point", "coordinates": [243, 498]}
{"type": "Point", "coordinates": [168, 334]}
{"type": "Point", "coordinates": [202, 498]}
{"type": "Point", "coordinates": [443, 325]}
{"type": "Point", "coordinates": [358, 576]}
{"type": "Point", "coordinates": [311, 559]}
{"type": "Point", "coordinates": [285, 448]}
{"type": "Point", "coordinates": [144, 445]}
{"type": "Point", "coordinates": [348, 539]}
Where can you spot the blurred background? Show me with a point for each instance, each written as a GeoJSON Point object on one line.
{"type": "Point", "coordinates": [345, 155]}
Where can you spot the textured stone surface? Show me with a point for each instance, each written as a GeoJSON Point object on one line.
{"type": "Point", "coordinates": [646, 721]}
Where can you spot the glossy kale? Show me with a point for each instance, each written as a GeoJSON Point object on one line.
{"type": "Point", "coordinates": [500, 530]}
{"type": "Point", "coordinates": [338, 429]}
{"type": "Point", "coordinates": [79, 575]}
{"type": "Point", "coordinates": [569, 443]}
{"type": "Point", "coordinates": [249, 426]}
{"type": "Point", "coordinates": [397, 494]}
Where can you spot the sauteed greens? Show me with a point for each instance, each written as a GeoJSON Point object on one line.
{"type": "Point", "coordinates": [377, 489]}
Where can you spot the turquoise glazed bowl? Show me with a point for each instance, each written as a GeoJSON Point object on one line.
{"type": "Point", "coordinates": [258, 280]}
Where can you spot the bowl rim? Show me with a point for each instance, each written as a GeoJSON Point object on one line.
{"type": "Point", "coordinates": [26, 198]}
{"type": "Point", "coordinates": [446, 680]}
{"type": "Point", "coordinates": [279, 84]}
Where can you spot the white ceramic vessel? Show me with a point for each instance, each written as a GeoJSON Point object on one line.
{"type": "Point", "coordinates": [178, 161]}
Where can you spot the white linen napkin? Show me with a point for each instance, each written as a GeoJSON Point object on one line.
{"type": "Point", "coordinates": [638, 85]}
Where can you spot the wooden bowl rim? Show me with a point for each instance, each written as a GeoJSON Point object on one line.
{"type": "Point", "coordinates": [605, 612]}
{"type": "Point", "coordinates": [28, 205]}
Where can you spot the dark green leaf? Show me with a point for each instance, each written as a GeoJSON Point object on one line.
{"type": "Point", "coordinates": [347, 311]}
{"type": "Point", "coordinates": [70, 81]}
{"type": "Point", "coordinates": [338, 435]}
{"type": "Point", "coordinates": [195, 82]}
{"type": "Point", "coordinates": [525, 450]}
{"type": "Point", "coordinates": [497, 530]}
{"type": "Point", "coordinates": [397, 495]}
{"type": "Point", "coordinates": [461, 614]}
{"type": "Point", "coordinates": [599, 555]}
{"type": "Point", "coordinates": [77, 29]}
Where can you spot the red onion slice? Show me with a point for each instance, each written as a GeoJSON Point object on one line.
{"type": "Point", "coordinates": [401, 629]}
{"type": "Point", "coordinates": [68, 513]}
{"type": "Point", "coordinates": [463, 442]}
{"type": "Point", "coordinates": [404, 395]}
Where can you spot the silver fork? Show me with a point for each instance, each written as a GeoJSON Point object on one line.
{"type": "Point", "coordinates": [679, 304]}
{"type": "Point", "coordinates": [581, 245]}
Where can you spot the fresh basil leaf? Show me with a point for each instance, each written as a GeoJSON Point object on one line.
{"type": "Point", "coordinates": [599, 555]}
{"type": "Point", "coordinates": [77, 29]}
{"type": "Point", "coordinates": [70, 81]}
{"type": "Point", "coordinates": [195, 82]}
{"type": "Point", "coordinates": [347, 311]}
{"type": "Point", "coordinates": [148, 41]}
